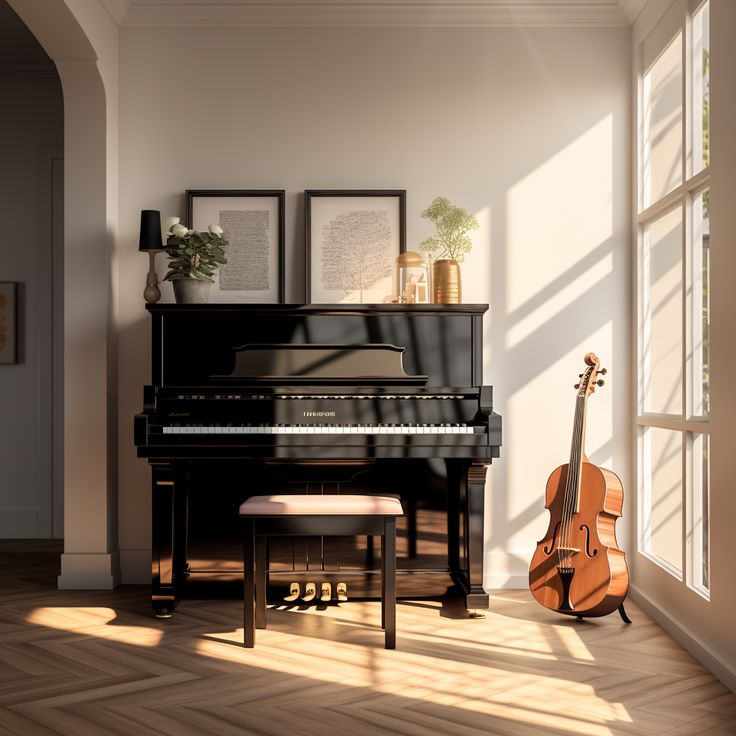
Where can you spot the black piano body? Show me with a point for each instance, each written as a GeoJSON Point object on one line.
{"type": "Point", "coordinates": [253, 399]}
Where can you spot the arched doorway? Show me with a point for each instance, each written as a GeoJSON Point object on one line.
{"type": "Point", "coordinates": [90, 555]}
{"type": "Point", "coordinates": [31, 202]}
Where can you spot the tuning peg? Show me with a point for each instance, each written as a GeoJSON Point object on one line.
{"type": "Point", "coordinates": [580, 375]}
{"type": "Point", "coordinates": [577, 385]}
{"type": "Point", "coordinates": [602, 372]}
{"type": "Point", "coordinates": [600, 382]}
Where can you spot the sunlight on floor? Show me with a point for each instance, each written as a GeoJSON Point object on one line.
{"type": "Point", "coordinates": [344, 645]}
{"type": "Point", "coordinates": [97, 622]}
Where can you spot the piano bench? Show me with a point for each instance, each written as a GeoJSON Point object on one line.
{"type": "Point", "coordinates": [328, 515]}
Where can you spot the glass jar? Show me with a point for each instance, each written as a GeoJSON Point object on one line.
{"type": "Point", "coordinates": [412, 279]}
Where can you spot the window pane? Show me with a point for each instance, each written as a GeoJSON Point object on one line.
{"type": "Point", "coordinates": [701, 88]}
{"type": "Point", "coordinates": [662, 124]}
{"type": "Point", "coordinates": [660, 330]}
{"type": "Point", "coordinates": [661, 493]}
{"type": "Point", "coordinates": [699, 574]}
{"type": "Point", "coordinates": [700, 319]}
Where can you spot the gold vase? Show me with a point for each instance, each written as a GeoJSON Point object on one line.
{"type": "Point", "coordinates": [446, 286]}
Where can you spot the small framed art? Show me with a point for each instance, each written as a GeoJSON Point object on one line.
{"type": "Point", "coordinates": [253, 224]}
{"type": "Point", "coordinates": [353, 238]}
{"type": "Point", "coordinates": [8, 306]}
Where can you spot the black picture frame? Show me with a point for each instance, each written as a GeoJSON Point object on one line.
{"type": "Point", "coordinates": [8, 322]}
{"type": "Point", "coordinates": [202, 204]}
{"type": "Point", "coordinates": [326, 210]}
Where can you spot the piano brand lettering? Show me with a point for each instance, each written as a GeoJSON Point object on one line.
{"type": "Point", "coordinates": [319, 413]}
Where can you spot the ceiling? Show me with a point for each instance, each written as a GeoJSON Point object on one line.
{"type": "Point", "coordinates": [430, 13]}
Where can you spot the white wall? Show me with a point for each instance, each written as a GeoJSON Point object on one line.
{"type": "Point", "coordinates": [31, 139]}
{"type": "Point", "coordinates": [528, 128]}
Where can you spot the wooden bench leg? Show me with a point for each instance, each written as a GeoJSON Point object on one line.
{"type": "Point", "coordinates": [261, 582]}
{"type": "Point", "coordinates": [249, 628]}
{"type": "Point", "coordinates": [388, 599]}
{"type": "Point", "coordinates": [383, 580]}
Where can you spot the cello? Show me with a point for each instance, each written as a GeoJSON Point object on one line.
{"type": "Point", "coordinates": [578, 568]}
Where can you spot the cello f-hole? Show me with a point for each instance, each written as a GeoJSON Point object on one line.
{"type": "Point", "coordinates": [584, 527]}
{"type": "Point", "coordinates": [550, 549]}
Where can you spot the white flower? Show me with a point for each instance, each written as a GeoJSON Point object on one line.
{"type": "Point", "coordinates": [179, 231]}
{"type": "Point", "coordinates": [169, 222]}
{"type": "Point", "coordinates": [215, 229]}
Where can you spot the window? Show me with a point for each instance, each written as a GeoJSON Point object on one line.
{"type": "Point", "coordinates": [673, 314]}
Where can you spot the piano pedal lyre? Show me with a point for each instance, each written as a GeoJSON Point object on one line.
{"type": "Point", "coordinates": [326, 592]}
{"type": "Point", "coordinates": [294, 591]}
{"type": "Point", "coordinates": [342, 592]}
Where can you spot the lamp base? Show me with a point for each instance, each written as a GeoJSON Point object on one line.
{"type": "Point", "coordinates": [151, 294]}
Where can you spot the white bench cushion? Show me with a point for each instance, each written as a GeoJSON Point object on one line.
{"type": "Point", "coordinates": [328, 505]}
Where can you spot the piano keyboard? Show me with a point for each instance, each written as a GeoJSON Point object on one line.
{"type": "Point", "coordinates": [327, 429]}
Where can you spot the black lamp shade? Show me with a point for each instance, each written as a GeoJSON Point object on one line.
{"type": "Point", "coordinates": [150, 238]}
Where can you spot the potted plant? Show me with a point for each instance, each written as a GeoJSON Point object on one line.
{"type": "Point", "coordinates": [453, 242]}
{"type": "Point", "coordinates": [193, 259]}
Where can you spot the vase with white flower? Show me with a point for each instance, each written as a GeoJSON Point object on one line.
{"type": "Point", "coordinates": [194, 257]}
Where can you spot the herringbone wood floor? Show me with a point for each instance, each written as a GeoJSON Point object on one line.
{"type": "Point", "coordinates": [97, 663]}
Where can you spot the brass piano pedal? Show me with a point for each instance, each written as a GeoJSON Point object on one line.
{"type": "Point", "coordinates": [342, 592]}
{"type": "Point", "coordinates": [294, 591]}
{"type": "Point", "coordinates": [326, 595]}
{"type": "Point", "coordinates": [310, 592]}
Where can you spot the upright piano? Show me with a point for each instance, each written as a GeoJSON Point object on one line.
{"type": "Point", "coordinates": [258, 399]}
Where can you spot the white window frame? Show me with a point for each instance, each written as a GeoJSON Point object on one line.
{"type": "Point", "coordinates": [691, 426]}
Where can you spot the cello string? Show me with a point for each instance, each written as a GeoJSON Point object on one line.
{"type": "Point", "coordinates": [575, 471]}
{"type": "Point", "coordinates": [569, 500]}
{"type": "Point", "coordinates": [574, 483]}
{"type": "Point", "coordinates": [565, 499]}
{"type": "Point", "coordinates": [564, 523]}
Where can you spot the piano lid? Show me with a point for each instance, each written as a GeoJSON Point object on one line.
{"type": "Point", "coordinates": [317, 363]}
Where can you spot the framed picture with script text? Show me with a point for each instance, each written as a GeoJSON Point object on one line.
{"type": "Point", "coordinates": [353, 238]}
{"type": "Point", "coordinates": [253, 224]}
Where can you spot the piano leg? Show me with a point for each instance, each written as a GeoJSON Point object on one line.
{"type": "Point", "coordinates": [169, 524]}
{"type": "Point", "coordinates": [476, 598]}
{"type": "Point", "coordinates": [466, 497]}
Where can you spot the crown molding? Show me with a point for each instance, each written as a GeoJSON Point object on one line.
{"type": "Point", "coordinates": [630, 9]}
{"type": "Point", "coordinates": [406, 13]}
{"type": "Point", "coordinates": [117, 9]}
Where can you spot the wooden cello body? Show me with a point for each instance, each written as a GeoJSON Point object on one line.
{"type": "Point", "coordinates": [578, 568]}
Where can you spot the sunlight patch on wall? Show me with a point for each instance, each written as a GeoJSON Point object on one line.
{"type": "Point", "coordinates": [560, 216]}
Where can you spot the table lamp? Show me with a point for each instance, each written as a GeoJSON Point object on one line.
{"type": "Point", "coordinates": [151, 242]}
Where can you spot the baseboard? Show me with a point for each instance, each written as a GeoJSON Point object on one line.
{"type": "Point", "coordinates": [698, 648]}
{"type": "Point", "coordinates": [89, 571]}
{"type": "Point", "coordinates": [497, 581]}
